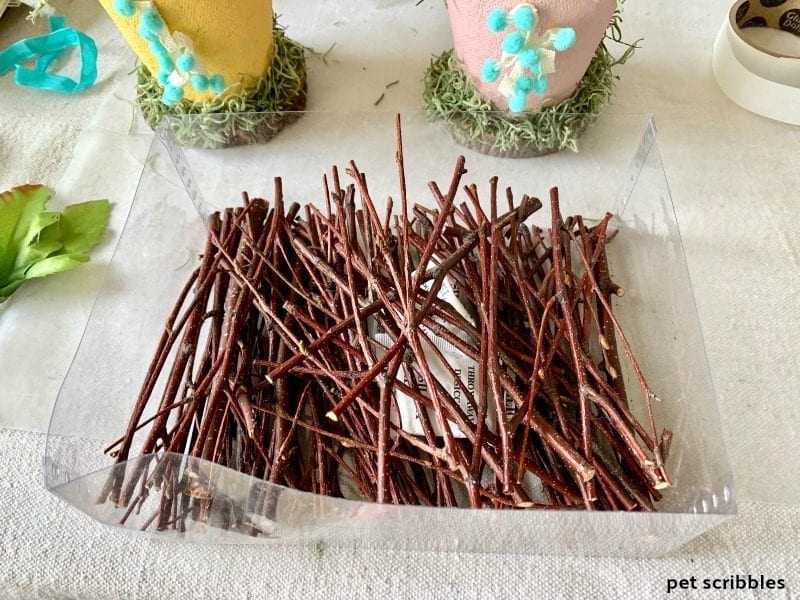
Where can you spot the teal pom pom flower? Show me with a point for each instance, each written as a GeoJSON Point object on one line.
{"type": "Point", "coordinates": [490, 72]}
{"type": "Point", "coordinates": [528, 55]}
{"type": "Point", "coordinates": [525, 84]}
{"type": "Point", "coordinates": [498, 20]}
{"type": "Point", "coordinates": [151, 22]}
{"type": "Point", "coordinates": [529, 58]}
{"type": "Point", "coordinates": [525, 18]}
{"type": "Point", "coordinates": [125, 7]}
{"type": "Point", "coordinates": [165, 62]}
{"type": "Point", "coordinates": [199, 82]}
{"type": "Point", "coordinates": [148, 34]}
{"type": "Point", "coordinates": [513, 42]}
{"type": "Point", "coordinates": [158, 50]}
{"type": "Point", "coordinates": [172, 95]}
{"type": "Point", "coordinates": [162, 56]}
{"type": "Point", "coordinates": [541, 85]}
{"type": "Point", "coordinates": [516, 103]}
{"type": "Point", "coordinates": [185, 62]}
{"type": "Point", "coordinates": [163, 78]}
{"type": "Point", "coordinates": [217, 84]}
{"type": "Point", "coordinates": [564, 39]}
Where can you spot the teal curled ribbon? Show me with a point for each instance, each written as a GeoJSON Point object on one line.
{"type": "Point", "coordinates": [47, 48]}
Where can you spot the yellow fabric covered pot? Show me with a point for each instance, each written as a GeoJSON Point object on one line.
{"type": "Point", "coordinates": [225, 46]}
{"type": "Point", "coordinates": [224, 71]}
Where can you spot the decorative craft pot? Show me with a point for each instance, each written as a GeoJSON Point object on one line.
{"type": "Point", "coordinates": [479, 38]}
{"type": "Point", "coordinates": [231, 40]}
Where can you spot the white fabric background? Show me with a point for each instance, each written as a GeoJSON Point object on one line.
{"type": "Point", "coordinates": [735, 183]}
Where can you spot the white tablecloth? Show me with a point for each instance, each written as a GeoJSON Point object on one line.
{"type": "Point", "coordinates": [735, 182]}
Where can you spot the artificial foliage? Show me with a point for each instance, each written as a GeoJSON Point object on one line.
{"type": "Point", "coordinates": [35, 242]}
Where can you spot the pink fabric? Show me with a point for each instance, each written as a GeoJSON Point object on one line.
{"type": "Point", "coordinates": [474, 42]}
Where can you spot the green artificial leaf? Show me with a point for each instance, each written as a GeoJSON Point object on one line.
{"type": "Point", "coordinates": [43, 249]}
{"type": "Point", "coordinates": [56, 264]}
{"type": "Point", "coordinates": [6, 291]}
{"type": "Point", "coordinates": [32, 255]}
{"type": "Point", "coordinates": [35, 243]}
{"type": "Point", "coordinates": [19, 208]}
{"type": "Point", "coordinates": [83, 225]}
{"type": "Point", "coordinates": [41, 222]}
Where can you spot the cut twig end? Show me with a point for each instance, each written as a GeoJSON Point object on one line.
{"type": "Point", "coordinates": [604, 343]}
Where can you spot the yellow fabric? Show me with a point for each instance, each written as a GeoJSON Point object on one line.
{"type": "Point", "coordinates": [230, 37]}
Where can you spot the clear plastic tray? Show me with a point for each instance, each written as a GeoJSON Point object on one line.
{"type": "Point", "coordinates": [165, 232]}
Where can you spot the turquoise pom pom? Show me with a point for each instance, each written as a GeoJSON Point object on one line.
{"type": "Point", "coordinates": [172, 95]}
{"type": "Point", "coordinates": [158, 50]}
{"type": "Point", "coordinates": [199, 82]}
{"type": "Point", "coordinates": [166, 64]}
{"type": "Point", "coordinates": [516, 103]}
{"type": "Point", "coordinates": [514, 42]}
{"type": "Point", "coordinates": [151, 22]}
{"type": "Point", "coordinates": [541, 85]}
{"type": "Point", "coordinates": [162, 56]}
{"type": "Point", "coordinates": [525, 18]}
{"type": "Point", "coordinates": [217, 84]}
{"type": "Point", "coordinates": [150, 36]}
{"type": "Point", "coordinates": [125, 7]}
{"type": "Point", "coordinates": [565, 39]}
{"type": "Point", "coordinates": [524, 84]}
{"type": "Point", "coordinates": [164, 60]}
{"type": "Point", "coordinates": [490, 72]}
{"type": "Point", "coordinates": [529, 58]}
{"type": "Point", "coordinates": [185, 62]}
{"type": "Point", "coordinates": [498, 20]}
{"type": "Point", "coordinates": [163, 78]}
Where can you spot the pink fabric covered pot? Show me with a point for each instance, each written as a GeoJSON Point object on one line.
{"type": "Point", "coordinates": [481, 29]}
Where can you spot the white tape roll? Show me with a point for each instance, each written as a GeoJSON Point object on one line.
{"type": "Point", "coordinates": [755, 78]}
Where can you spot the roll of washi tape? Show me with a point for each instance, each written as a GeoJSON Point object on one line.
{"type": "Point", "coordinates": [756, 78]}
